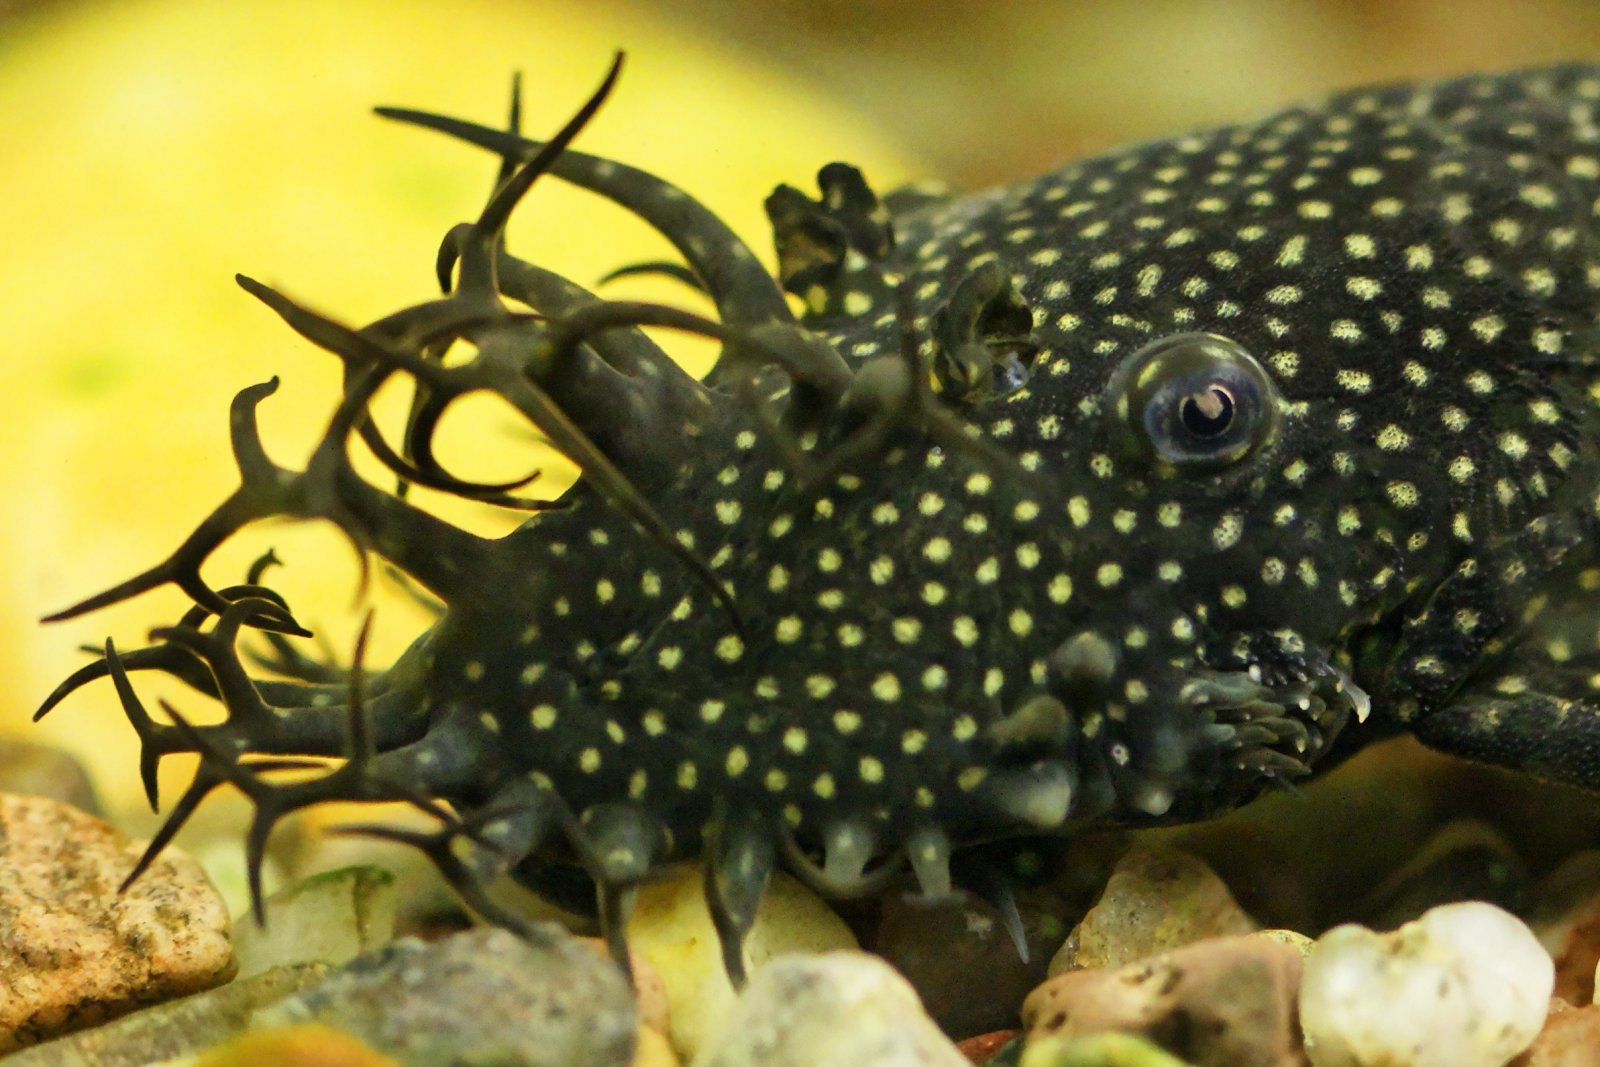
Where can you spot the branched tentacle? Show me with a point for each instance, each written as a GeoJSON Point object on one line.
{"type": "Point", "coordinates": [369, 353]}
{"type": "Point", "coordinates": [665, 268]}
{"type": "Point", "coordinates": [744, 293]}
{"type": "Point", "coordinates": [440, 556]}
{"type": "Point", "coordinates": [180, 663]}
{"type": "Point", "coordinates": [417, 464]}
{"type": "Point", "coordinates": [309, 673]}
{"type": "Point", "coordinates": [216, 649]}
{"type": "Point", "coordinates": [183, 664]}
{"type": "Point", "coordinates": [155, 740]}
{"type": "Point", "coordinates": [356, 779]}
{"type": "Point", "coordinates": [628, 351]}
{"type": "Point", "coordinates": [173, 660]}
{"type": "Point", "coordinates": [257, 497]}
{"type": "Point", "coordinates": [287, 658]}
{"type": "Point", "coordinates": [497, 369]}
{"type": "Point", "coordinates": [205, 781]}
{"type": "Point", "coordinates": [275, 602]}
{"type": "Point", "coordinates": [553, 296]}
{"type": "Point", "coordinates": [254, 725]}
{"type": "Point", "coordinates": [468, 859]}
{"type": "Point", "coordinates": [806, 360]}
{"type": "Point", "coordinates": [479, 251]}
{"type": "Point", "coordinates": [494, 837]}
{"type": "Point", "coordinates": [328, 489]}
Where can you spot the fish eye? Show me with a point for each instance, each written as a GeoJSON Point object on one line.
{"type": "Point", "coordinates": [1197, 400]}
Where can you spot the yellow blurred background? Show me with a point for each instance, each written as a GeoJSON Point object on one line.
{"type": "Point", "coordinates": [151, 148]}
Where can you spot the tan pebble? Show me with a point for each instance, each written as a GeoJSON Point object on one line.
{"type": "Point", "coordinates": [1226, 1000]}
{"type": "Point", "coordinates": [75, 951]}
{"type": "Point", "coordinates": [1570, 1038]}
{"type": "Point", "coordinates": [1295, 938]}
{"type": "Point", "coordinates": [1156, 899]}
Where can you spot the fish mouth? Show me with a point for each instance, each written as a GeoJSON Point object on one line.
{"type": "Point", "coordinates": [1081, 754]}
{"type": "Point", "coordinates": [1241, 731]}
{"type": "Point", "coordinates": [1275, 729]}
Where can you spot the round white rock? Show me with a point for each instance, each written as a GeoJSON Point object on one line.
{"type": "Point", "coordinates": [1466, 985]}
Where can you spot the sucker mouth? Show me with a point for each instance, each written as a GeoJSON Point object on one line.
{"type": "Point", "coordinates": [1274, 729]}
{"type": "Point", "coordinates": [1078, 753]}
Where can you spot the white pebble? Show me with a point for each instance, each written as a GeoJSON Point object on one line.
{"type": "Point", "coordinates": [1466, 985]}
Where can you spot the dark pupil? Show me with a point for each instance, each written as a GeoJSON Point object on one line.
{"type": "Point", "coordinates": [1207, 414]}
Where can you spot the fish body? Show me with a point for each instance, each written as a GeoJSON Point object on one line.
{"type": "Point", "coordinates": [1112, 497]}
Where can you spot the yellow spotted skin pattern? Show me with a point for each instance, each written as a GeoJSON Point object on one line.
{"type": "Point", "coordinates": [1107, 498]}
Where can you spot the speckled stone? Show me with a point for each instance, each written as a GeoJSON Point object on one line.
{"type": "Point", "coordinates": [1157, 899]}
{"type": "Point", "coordinates": [837, 1008]}
{"type": "Point", "coordinates": [1222, 1002]}
{"type": "Point", "coordinates": [1293, 938]}
{"type": "Point", "coordinates": [73, 951]}
{"type": "Point", "coordinates": [172, 1030]}
{"type": "Point", "coordinates": [478, 997]}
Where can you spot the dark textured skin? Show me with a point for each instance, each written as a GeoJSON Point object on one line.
{"type": "Point", "coordinates": [968, 588]}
